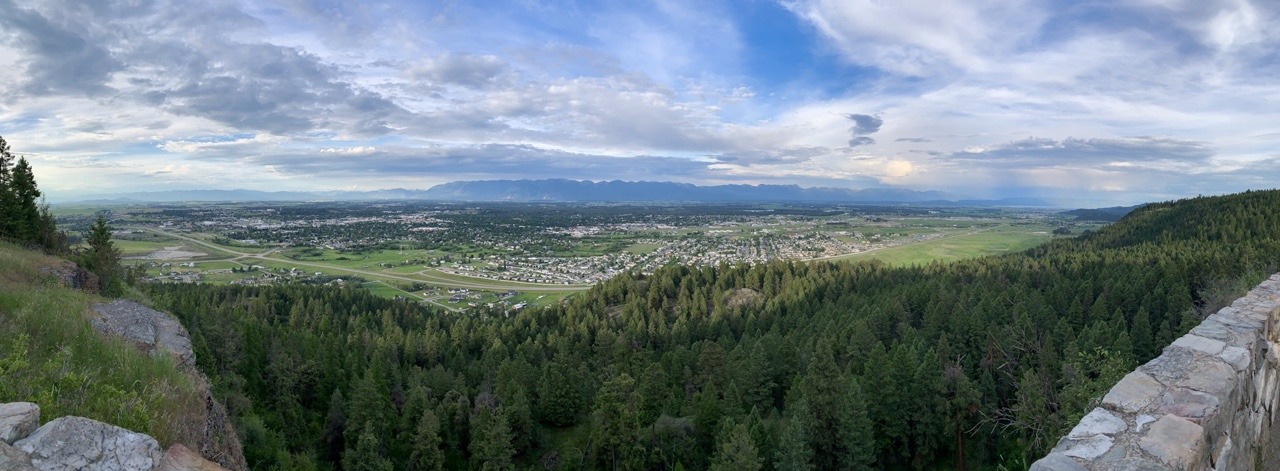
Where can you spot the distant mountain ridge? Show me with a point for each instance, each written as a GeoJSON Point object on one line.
{"type": "Point", "coordinates": [563, 190]}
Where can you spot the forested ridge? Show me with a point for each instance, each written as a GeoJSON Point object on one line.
{"type": "Point", "coordinates": [821, 365]}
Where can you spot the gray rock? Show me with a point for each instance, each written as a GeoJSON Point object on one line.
{"type": "Point", "coordinates": [13, 459]}
{"type": "Point", "coordinates": [149, 328]}
{"type": "Point", "coordinates": [78, 443]}
{"type": "Point", "coordinates": [1134, 392]}
{"type": "Point", "coordinates": [17, 420]}
{"type": "Point", "coordinates": [1175, 441]}
{"type": "Point", "coordinates": [1196, 342]}
{"type": "Point", "coordinates": [1211, 376]}
{"type": "Point", "coordinates": [1171, 365]}
{"type": "Point", "coordinates": [1237, 357]}
{"type": "Point", "coordinates": [1057, 462]}
{"type": "Point", "coordinates": [1088, 447]}
{"type": "Point", "coordinates": [1188, 403]}
{"type": "Point", "coordinates": [1097, 422]}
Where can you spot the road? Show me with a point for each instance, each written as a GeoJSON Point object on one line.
{"type": "Point", "coordinates": [424, 278]}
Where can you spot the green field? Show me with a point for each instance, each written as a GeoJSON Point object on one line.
{"type": "Point", "coordinates": [961, 245]}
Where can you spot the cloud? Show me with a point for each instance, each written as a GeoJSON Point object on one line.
{"type": "Point", "coordinates": [861, 141]}
{"type": "Point", "coordinates": [913, 139]}
{"type": "Point", "coordinates": [467, 70]}
{"type": "Point", "coordinates": [59, 60]}
{"type": "Point", "coordinates": [1092, 151]}
{"type": "Point", "coordinates": [864, 124]}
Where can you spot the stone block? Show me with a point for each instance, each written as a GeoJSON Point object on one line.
{"type": "Point", "coordinates": [1211, 376]}
{"type": "Point", "coordinates": [68, 443]}
{"type": "Point", "coordinates": [1196, 342]}
{"type": "Point", "coordinates": [1175, 441]}
{"type": "Point", "coordinates": [17, 420]}
{"type": "Point", "coordinates": [1087, 448]}
{"type": "Point", "coordinates": [1057, 462]}
{"type": "Point", "coordinates": [1097, 422]}
{"type": "Point", "coordinates": [1237, 357]}
{"type": "Point", "coordinates": [1134, 392]}
{"type": "Point", "coordinates": [1188, 403]}
{"type": "Point", "coordinates": [1171, 365]}
{"type": "Point", "coordinates": [1142, 421]}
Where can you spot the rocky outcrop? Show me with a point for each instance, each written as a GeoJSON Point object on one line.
{"type": "Point", "coordinates": [152, 330]}
{"type": "Point", "coordinates": [1208, 402]}
{"type": "Point", "coordinates": [71, 443]}
{"type": "Point", "coordinates": [77, 443]}
{"type": "Point", "coordinates": [72, 276]}
{"type": "Point", "coordinates": [156, 333]}
{"type": "Point", "coordinates": [17, 420]}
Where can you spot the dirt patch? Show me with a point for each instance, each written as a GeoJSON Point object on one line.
{"type": "Point", "coordinates": [741, 297]}
{"type": "Point", "coordinates": [176, 252]}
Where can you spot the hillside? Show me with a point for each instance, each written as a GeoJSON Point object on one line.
{"type": "Point", "coordinates": [824, 365]}
{"type": "Point", "coordinates": [51, 355]}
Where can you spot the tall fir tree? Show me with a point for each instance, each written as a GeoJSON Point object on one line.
{"type": "Point", "coordinates": [8, 206]}
{"type": "Point", "coordinates": [25, 213]}
{"type": "Point", "coordinates": [102, 258]}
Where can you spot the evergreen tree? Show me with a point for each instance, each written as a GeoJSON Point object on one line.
{"type": "Point", "coordinates": [24, 211]}
{"type": "Point", "coordinates": [8, 199]}
{"type": "Point", "coordinates": [491, 448]}
{"type": "Point", "coordinates": [615, 424]}
{"type": "Point", "coordinates": [737, 452]}
{"type": "Point", "coordinates": [102, 258]}
{"type": "Point", "coordinates": [793, 451]}
{"type": "Point", "coordinates": [368, 453]}
{"type": "Point", "coordinates": [427, 455]}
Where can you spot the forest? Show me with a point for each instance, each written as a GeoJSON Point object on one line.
{"type": "Point", "coordinates": [977, 364]}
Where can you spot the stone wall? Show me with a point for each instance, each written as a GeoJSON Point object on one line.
{"type": "Point", "coordinates": [1206, 403]}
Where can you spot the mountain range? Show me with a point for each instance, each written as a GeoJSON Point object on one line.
{"type": "Point", "coordinates": [563, 190]}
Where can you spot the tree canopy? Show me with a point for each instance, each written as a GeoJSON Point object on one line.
{"type": "Point", "coordinates": [977, 364]}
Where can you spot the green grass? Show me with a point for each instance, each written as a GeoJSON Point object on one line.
{"type": "Point", "coordinates": [50, 355]}
{"type": "Point", "coordinates": [998, 240]}
{"type": "Point", "coordinates": [133, 248]}
{"type": "Point", "coordinates": [641, 249]}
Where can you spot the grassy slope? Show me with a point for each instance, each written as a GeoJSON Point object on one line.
{"type": "Point", "coordinates": [50, 355]}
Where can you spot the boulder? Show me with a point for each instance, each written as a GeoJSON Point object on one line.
{"type": "Point", "coordinates": [17, 420]}
{"type": "Point", "coordinates": [78, 443]}
{"type": "Point", "coordinates": [150, 329]}
{"type": "Point", "coordinates": [179, 458]}
{"type": "Point", "coordinates": [13, 459]}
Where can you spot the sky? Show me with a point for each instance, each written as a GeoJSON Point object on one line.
{"type": "Point", "coordinates": [1108, 101]}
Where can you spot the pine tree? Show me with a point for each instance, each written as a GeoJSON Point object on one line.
{"type": "Point", "coordinates": [615, 422]}
{"type": "Point", "coordinates": [102, 258]}
{"type": "Point", "coordinates": [8, 206]}
{"type": "Point", "coordinates": [23, 210]}
{"type": "Point", "coordinates": [793, 451]}
{"type": "Point", "coordinates": [737, 452]}
{"type": "Point", "coordinates": [491, 448]}
{"type": "Point", "coordinates": [368, 454]}
{"type": "Point", "coordinates": [427, 455]}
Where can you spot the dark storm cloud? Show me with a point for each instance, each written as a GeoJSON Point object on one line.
{"type": "Point", "coordinates": [182, 58]}
{"type": "Point", "coordinates": [864, 124]}
{"type": "Point", "coordinates": [60, 61]}
{"type": "Point", "coordinates": [1092, 151]}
